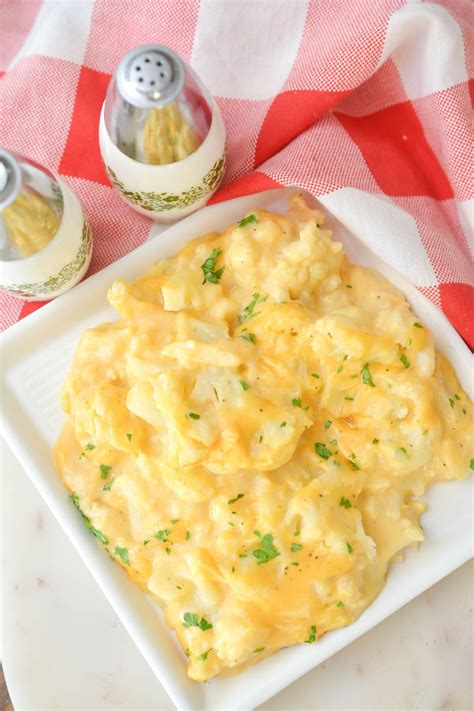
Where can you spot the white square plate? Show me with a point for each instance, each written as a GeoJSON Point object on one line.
{"type": "Point", "coordinates": [36, 356]}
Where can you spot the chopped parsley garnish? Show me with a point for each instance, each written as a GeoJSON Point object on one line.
{"type": "Point", "coordinates": [188, 535]}
{"type": "Point", "coordinates": [333, 442]}
{"type": "Point", "coordinates": [108, 485]}
{"type": "Point", "coordinates": [247, 220]}
{"type": "Point", "coordinates": [366, 376]}
{"type": "Point", "coordinates": [327, 423]}
{"type": "Point", "coordinates": [174, 520]}
{"type": "Point", "coordinates": [129, 436]}
{"type": "Point", "coordinates": [340, 604]}
{"type": "Point", "coordinates": [193, 416]}
{"type": "Point", "coordinates": [257, 650]}
{"type": "Point", "coordinates": [257, 533]}
{"type": "Point", "coordinates": [98, 534]}
{"type": "Point", "coordinates": [207, 267]}
{"type": "Point", "coordinates": [322, 450]}
{"type": "Point", "coordinates": [451, 402]}
{"type": "Point", "coordinates": [243, 555]}
{"type": "Point", "coordinates": [267, 551]}
{"type": "Point", "coordinates": [355, 466]}
{"type": "Point", "coordinates": [401, 453]}
{"type": "Point", "coordinates": [283, 424]}
{"type": "Point", "coordinates": [295, 547]}
{"type": "Point", "coordinates": [345, 502]}
{"type": "Point", "coordinates": [204, 624]}
{"type": "Point", "coordinates": [187, 652]}
{"type": "Point", "coordinates": [349, 398]}
{"type": "Point", "coordinates": [375, 440]}
{"type": "Point", "coordinates": [339, 370]}
{"type": "Point", "coordinates": [248, 310]}
{"type": "Point", "coordinates": [294, 563]}
{"type": "Point", "coordinates": [145, 543]}
{"type": "Point", "coordinates": [239, 496]}
{"type": "Point", "coordinates": [244, 384]}
{"type": "Point", "coordinates": [464, 411]}
{"type": "Point", "coordinates": [417, 325]}
{"type": "Point", "coordinates": [315, 375]}
{"type": "Point", "coordinates": [105, 470]}
{"type": "Point", "coordinates": [203, 656]}
{"type": "Point", "coordinates": [348, 286]}
{"type": "Point", "coordinates": [179, 587]}
{"type": "Point", "coordinates": [296, 402]}
{"type": "Point", "coordinates": [122, 554]}
{"type": "Point", "coordinates": [456, 397]}
{"type": "Point", "coordinates": [89, 446]}
{"type": "Point", "coordinates": [191, 620]}
{"type": "Point", "coordinates": [250, 337]}
{"type": "Point", "coordinates": [405, 361]}
{"type": "Point", "coordinates": [471, 464]}
{"type": "Point", "coordinates": [349, 547]}
{"type": "Point", "coordinates": [168, 551]}
{"type": "Point", "coordinates": [312, 635]}
{"type": "Point", "coordinates": [163, 534]}
{"type": "Point", "coordinates": [260, 439]}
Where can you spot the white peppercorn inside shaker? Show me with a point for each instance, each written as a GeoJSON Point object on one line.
{"type": "Point", "coordinates": [161, 134]}
{"type": "Point", "coordinates": [45, 239]}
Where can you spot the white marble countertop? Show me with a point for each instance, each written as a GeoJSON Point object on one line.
{"type": "Point", "coordinates": [64, 648]}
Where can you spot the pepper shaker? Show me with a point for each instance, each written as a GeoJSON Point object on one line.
{"type": "Point", "coordinates": [161, 135]}
{"type": "Point", "coordinates": [45, 239]}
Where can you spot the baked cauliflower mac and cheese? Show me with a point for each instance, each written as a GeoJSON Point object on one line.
{"type": "Point", "coordinates": [251, 439]}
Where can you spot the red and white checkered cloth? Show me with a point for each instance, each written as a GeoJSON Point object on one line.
{"type": "Point", "coordinates": [336, 96]}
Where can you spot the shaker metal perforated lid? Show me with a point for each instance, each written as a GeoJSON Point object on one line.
{"type": "Point", "coordinates": [10, 179]}
{"type": "Point", "coordinates": [150, 76]}
{"type": "Point", "coordinates": [156, 111]}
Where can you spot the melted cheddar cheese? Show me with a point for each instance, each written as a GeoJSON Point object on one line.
{"type": "Point", "coordinates": [251, 438]}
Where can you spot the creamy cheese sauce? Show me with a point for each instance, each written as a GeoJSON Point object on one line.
{"type": "Point", "coordinates": [249, 440]}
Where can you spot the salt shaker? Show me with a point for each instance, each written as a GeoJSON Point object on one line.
{"type": "Point", "coordinates": [161, 135]}
{"type": "Point", "coordinates": [45, 239]}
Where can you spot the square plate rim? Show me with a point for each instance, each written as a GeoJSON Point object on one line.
{"type": "Point", "coordinates": [8, 426]}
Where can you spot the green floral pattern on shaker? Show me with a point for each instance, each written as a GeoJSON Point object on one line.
{"type": "Point", "coordinates": [67, 273]}
{"type": "Point", "coordinates": [158, 202]}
